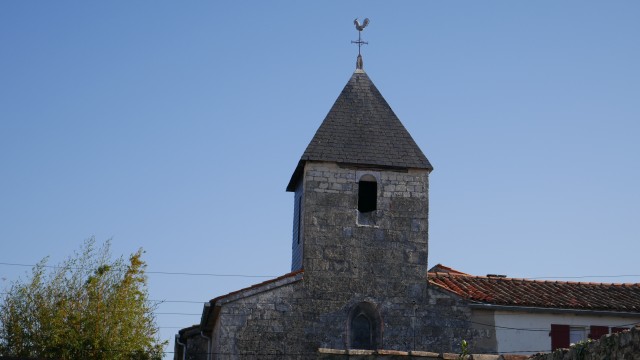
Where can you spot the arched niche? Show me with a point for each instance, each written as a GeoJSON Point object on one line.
{"type": "Point", "coordinates": [364, 327]}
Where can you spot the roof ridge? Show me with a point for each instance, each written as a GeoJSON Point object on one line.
{"type": "Point", "coordinates": [439, 273]}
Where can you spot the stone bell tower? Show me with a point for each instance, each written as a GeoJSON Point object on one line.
{"type": "Point", "coordinates": [360, 228]}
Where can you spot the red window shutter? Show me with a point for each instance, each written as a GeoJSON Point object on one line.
{"type": "Point", "coordinates": [559, 336]}
{"type": "Point", "coordinates": [596, 332]}
{"type": "Point", "coordinates": [618, 329]}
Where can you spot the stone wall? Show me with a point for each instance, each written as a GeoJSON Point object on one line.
{"type": "Point", "coordinates": [349, 258]}
{"type": "Point", "coordinates": [379, 258]}
{"type": "Point", "coordinates": [263, 323]}
{"type": "Point", "coordinates": [624, 345]}
{"type": "Point", "coordinates": [194, 346]}
{"type": "Point", "coordinates": [273, 322]}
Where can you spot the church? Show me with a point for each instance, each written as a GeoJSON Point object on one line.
{"type": "Point", "coordinates": [360, 284]}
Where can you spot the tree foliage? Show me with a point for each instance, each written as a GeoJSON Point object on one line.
{"type": "Point", "coordinates": [89, 307]}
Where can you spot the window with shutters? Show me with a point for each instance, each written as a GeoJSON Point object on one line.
{"type": "Point", "coordinates": [596, 332]}
{"type": "Point", "coordinates": [562, 336]}
{"type": "Point", "coordinates": [618, 329]}
{"type": "Point", "coordinates": [559, 336]}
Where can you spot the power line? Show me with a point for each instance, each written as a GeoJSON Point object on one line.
{"type": "Point", "coordinates": [580, 277]}
{"type": "Point", "coordinates": [469, 321]}
{"type": "Point", "coordinates": [182, 273]}
{"type": "Point", "coordinates": [209, 274]}
{"type": "Point", "coordinates": [506, 327]}
{"type": "Point", "coordinates": [152, 300]}
{"type": "Point", "coordinates": [171, 327]}
{"type": "Point", "coordinates": [178, 301]}
{"type": "Point", "coordinates": [538, 329]}
{"type": "Point", "coordinates": [175, 313]}
{"type": "Point", "coordinates": [149, 272]}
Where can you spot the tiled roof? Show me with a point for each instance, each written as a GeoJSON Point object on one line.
{"type": "Point", "coordinates": [536, 293]}
{"type": "Point", "coordinates": [362, 129]}
{"type": "Point", "coordinates": [439, 268]}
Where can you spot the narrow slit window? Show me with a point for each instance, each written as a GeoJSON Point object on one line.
{"type": "Point", "coordinates": [367, 195]}
{"type": "Point", "coordinates": [299, 217]}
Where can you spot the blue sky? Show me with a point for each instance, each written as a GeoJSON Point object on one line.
{"type": "Point", "coordinates": [175, 126]}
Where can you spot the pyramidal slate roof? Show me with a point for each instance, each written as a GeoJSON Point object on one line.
{"type": "Point", "coordinates": [362, 129]}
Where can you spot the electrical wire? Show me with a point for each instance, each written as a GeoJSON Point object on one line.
{"type": "Point", "coordinates": [174, 313]}
{"type": "Point", "coordinates": [271, 276]}
{"type": "Point", "coordinates": [150, 272]}
{"type": "Point", "coordinates": [274, 276]}
{"type": "Point", "coordinates": [580, 277]}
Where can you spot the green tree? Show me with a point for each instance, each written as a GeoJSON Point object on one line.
{"type": "Point", "coordinates": [89, 307]}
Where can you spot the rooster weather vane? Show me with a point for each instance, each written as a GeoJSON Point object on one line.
{"type": "Point", "coordinates": [360, 42]}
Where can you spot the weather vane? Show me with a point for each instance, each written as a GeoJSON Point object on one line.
{"type": "Point", "coordinates": [360, 42]}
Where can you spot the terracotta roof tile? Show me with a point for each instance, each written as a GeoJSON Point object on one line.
{"type": "Point", "coordinates": [537, 293]}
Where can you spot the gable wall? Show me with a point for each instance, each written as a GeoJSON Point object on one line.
{"type": "Point", "coordinates": [266, 325]}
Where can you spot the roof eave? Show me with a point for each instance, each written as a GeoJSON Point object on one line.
{"type": "Point", "coordinates": [295, 177]}
{"type": "Point", "coordinates": [298, 172]}
{"type": "Point", "coordinates": [534, 309]}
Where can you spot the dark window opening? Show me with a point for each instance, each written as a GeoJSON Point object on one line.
{"type": "Point", "coordinates": [299, 216]}
{"type": "Point", "coordinates": [361, 333]}
{"type": "Point", "coordinates": [367, 196]}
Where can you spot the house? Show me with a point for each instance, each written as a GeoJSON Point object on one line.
{"type": "Point", "coordinates": [530, 316]}
{"type": "Point", "coordinates": [359, 267]}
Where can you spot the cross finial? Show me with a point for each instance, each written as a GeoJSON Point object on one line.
{"type": "Point", "coordinates": [360, 42]}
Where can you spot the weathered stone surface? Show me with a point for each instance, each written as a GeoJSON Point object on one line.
{"type": "Point", "coordinates": [271, 329]}
{"type": "Point", "coordinates": [375, 260]}
{"type": "Point", "coordinates": [195, 346]}
{"type": "Point", "coordinates": [382, 261]}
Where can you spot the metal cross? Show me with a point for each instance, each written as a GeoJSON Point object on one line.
{"type": "Point", "coordinates": [359, 27]}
